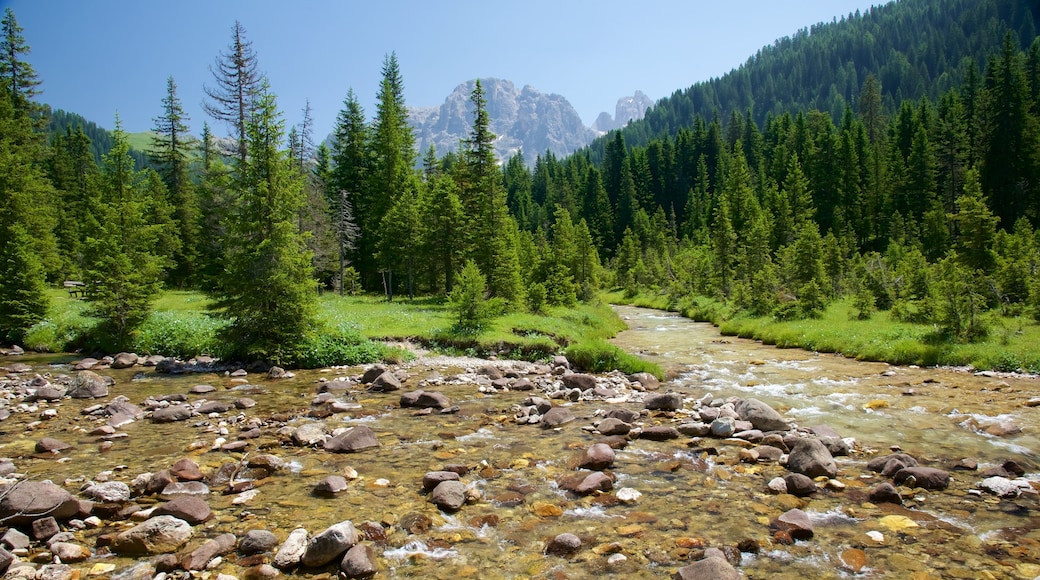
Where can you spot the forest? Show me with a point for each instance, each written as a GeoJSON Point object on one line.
{"type": "Point", "coordinates": [863, 160]}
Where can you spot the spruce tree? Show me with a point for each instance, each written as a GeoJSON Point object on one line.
{"type": "Point", "coordinates": [236, 86]}
{"type": "Point", "coordinates": [171, 147]}
{"type": "Point", "coordinates": [123, 270]}
{"type": "Point", "coordinates": [266, 290]}
{"type": "Point", "coordinates": [347, 180]}
{"type": "Point", "coordinates": [17, 75]}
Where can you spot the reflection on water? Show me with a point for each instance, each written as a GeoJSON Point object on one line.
{"type": "Point", "coordinates": [689, 499]}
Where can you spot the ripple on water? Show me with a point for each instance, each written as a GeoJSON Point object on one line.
{"type": "Point", "coordinates": [418, 548]}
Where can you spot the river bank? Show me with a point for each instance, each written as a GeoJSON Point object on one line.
{"type": "Point", "coordinates": [258, 452]}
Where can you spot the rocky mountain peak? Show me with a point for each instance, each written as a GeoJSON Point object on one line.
{"type": "Point", "coordinates": [627, 109]}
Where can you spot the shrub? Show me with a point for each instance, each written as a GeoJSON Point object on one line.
{"type": "Point", "coordinates": [468, 298]}
{"type": "Point", "coordinates": [600, 356]}
{"type": "Point", "coordinates": [342, 345]}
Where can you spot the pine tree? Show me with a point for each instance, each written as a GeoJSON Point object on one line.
{"type": "Point", "coordinates": [347, 182]}
{"type": "Point", "coordinates": [17, 75]}
{"type": "Point", "coordinates": [170, 151]}
{"type": "Point", "coordinates": [444, 221]}
{"type": "Point", "coordinates": [24, 223]}
{"type": "Point", "coordinates": [237, 84]}
{"type": "Point", "coordinates": [976, 227]}
{"type": "Point", "coordinates": [266, 290]}
{"type": "Point", "coordinates": [123, 268]}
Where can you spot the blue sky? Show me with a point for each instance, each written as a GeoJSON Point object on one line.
{"type": "Point", "coordinates": [100, 57]}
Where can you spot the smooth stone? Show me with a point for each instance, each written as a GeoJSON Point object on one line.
{"type": "Point", "coordinates": [190, 508]}
{"type": "Point", "coordinates": [563, 545]}
{"type": "Point", "coordinates": [663, 402]}
{"type": "Point", "coordinates": [108, 492]}
{"type": "Point", "coordinates": [160, 534]}
{"type": "Point", "coordinates": [711, 568]}
{"type": "Point", "coordinates": [598, 456]}
{"type": "Point", "coordinates": [612, 426]}
{"type": "Point", "coordinates": [811, 457]}
{"type": "Point", "coordinates": [331, 485]}
{"type": "Point", "coordinates": [353, 440]}
{"type": "Point", "coordinates": [51, 445]}
{"type": "Point", "coordinates": [923, 477]}
{"type": "Point", "coordinates": [885, 493]}
{"type": "Point", "coordinates": [291, 551]}
{"type": "Point", "coordinates": [309, 435]}
{"type": "Point", "coordinates": [87, 385]}
{"type": "Point", "coordinates": [449, 495]}
{"type": "Point", "coordinates": [799, 485]}
{"type": "Point", "coordinates": [257, 542]}
{"type": "Point", "coordinates": [210, 549]}
{"type": "Point", "coordinates": [434, 478]}
{"type": "Point", "coordinates": [796, 523]}
{"type": "Point", "coordinates": [172, 414]}
{"type": "Point", "coordinates": [556, 417]}
{"type": "Point", "coordinates": [761, 415]}
{"type": "Point", "coordinates": [20, 500]}
{"type": "Point", "coordinates": [359, 562]}
{"type": "Point", "coordinates": [659, 433]}
{"type": "Point", "coordinates": [330, 544]}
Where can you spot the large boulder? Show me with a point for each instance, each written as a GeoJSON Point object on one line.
{"type": "Point", "coordinates": [291, 551]}
{"type": "Point", "coordinates": [923, 477]}
{"type": "Point", "coordinates": [449, 495]}
{"type": "Point", "coordinates": [359, 562]}
{"type": "Point", "coordinates": [157, 535]}
{"type": "Point", "coordinates": [557, 416]}
{"type": "Point", "coordinates": [761, 415]}
{"type": "Point", "coordinates": [578, 381]}
{"type": "Point", "coordinates": [598, 456]}
{"type": "Point", "coordinates": [190, 508]}
{"type": "Point", "coordinates": [796, 523]}
{"type": "Point", "coordinates": [385, 383]}
{"type": "Point", "coordinates": [124, 360]}
{"type": "Point", "coordinates": [353, 440]}
{"type": "Point", "coordinates": [88, 385]}
{"type": "Point", "coordinates": [20, 502]}
{"type": "Point", "coordinates": [664, 402]}
{"type": "Point", "coordinates": [172, 414]}
{"type": "Point", "coordinates": [330, 544]}
{"type": "Point", "coordinates": [811, 457]}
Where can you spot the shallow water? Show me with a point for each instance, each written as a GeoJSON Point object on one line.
{"type": "Point", "coordinates": [689, 500]}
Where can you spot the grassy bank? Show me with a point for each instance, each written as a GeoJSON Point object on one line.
{"type": "Point", "coordinates": [356, 329]}
{"type": "Point", "coordinates": [1013, 343]}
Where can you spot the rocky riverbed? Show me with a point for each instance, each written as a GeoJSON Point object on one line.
{"type": "Point", "coordinates": [448, 468]}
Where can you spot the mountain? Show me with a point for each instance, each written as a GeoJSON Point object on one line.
{"type": "Point", "coordinates": [523, 118]}
{"type": "Point", "coordinates": [628, 109]}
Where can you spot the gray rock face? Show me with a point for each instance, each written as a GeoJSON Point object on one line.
{"type": "Point", "coordinates": [157, 535]}
{"type": "Point", "coordinates": [108, 492]}
{"type": "Point", "coordinates": [330, 544]}
{"type": "Point", "coordinates": [385, 383]}
{"type": "Point", "coordinates": [524, 119]}
{"type": "Point", "coordinates": [612, 426]}
{"type": "Point", "coordinates": [309, 434]}
{"type": "Point", "coordinates": [627, 109]}
{"type": "Point", "coordinates": [598, 456]}
{"type": "Point", "coordinates": [761, 415]}
{"type": "Point", "coordinates": [578, 381]}
{"type": "Point", "coordinates": [811, 457]}
{"type": "Point", "coordinates": [356, 439]}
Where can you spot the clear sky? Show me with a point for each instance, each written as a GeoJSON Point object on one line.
{"type": "Point", "coordinates": [100, 57]}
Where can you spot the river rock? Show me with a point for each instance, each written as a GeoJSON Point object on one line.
{"type": "Point", "coordinates": [623, 414]}
{"type": "Point", "coordinates": [888, 465]}
{"type": "Point", "coordinates": [425, 400]}
{"type": "Point", "coordinates": [648, 381]}
{"type": "Point", "coordinates": [767, 453]}
{"type": "Point", "coordinates": [711, 568]}
{"type": "Point", "coordinates": [185, 469]}
{"type": "Point", "coordinates": [923, 477]}
{"type": "Point", "coordinates": [45, 528]}
{"type": "Point", "coordinates": [556, 417]}
{"type": "Point", "coordinates": [108, 492]}
{"type": "Point", "coordinates": [659, 433]}
{"type": "Point", "coordinates": [777, 485]}
{"type": "Point", "coordinates": [124, 360]}
{"type": "Point", "coordinates": [799, 485]}
{"type": "Point", "coordinates": [578, 381]}
{"type": "Point", "coordinates": [1004, 487]}
{"type": "Point", "coordinates": [694, 429]}
{"type": "Point", "coordinates": [353, 440]}
{"type": "Point", "coordinates": [761, 415]}
{"type": "Point", "coordinates": [564, 544]}
{"type": "Point", "coordinates": [69, 553]}
{"type": "Point", "coordinates": [218, 546]}
{"type": "Point", "coordinates": [598, 456]}
{"type": "Point", "coordinates": [190, 508]}
{"type": "Point", "coordinates": [257, 542]}
{"type": "Point", "coordinates": [810, 457]}
{"type": "Point", "coordinates": [885, 493]}
{"type": "Point", "coordinates": [122, 406]}
{"type": "Point", "coordinates": [88, 385]}
{"type": "Point", "coordinates": [291, 551]}
{"type": "Point", "coordinates": [359, 562]}
{"type": "Point", "coordinates": [172, 414]}
{"type": "Point", "coordinates": [20, 500]}
{"type": "Point", "coordinates": [51, 445]}
{"type": "Point", "coordinates": [795, 522]}
{"type": "Point", "coordinates": [158, 535]}
{"type": "Point", "coordinates": [330, 544]}
{"type": "Point", "coordinates": [385, 383]}
{"type": "Point", "coordinates": [664, 402]}
{"type": "Point", "coordinates": [309, 435]}
{"type": "Point", "coordinates": [15, 540]}
{"type": "Point", "coordinates": [596, 481]}
{"type": "Point", "coordinates": [723, 427]}
{"type": "Point", "coordinates": [434, 478]}
{"type": "Point", "coordinates": [612, 426]}
{"type": "Point", "coordinates": [331, 485]}
{"type": "Point", "coordinates": [449, 495]}
{"type": "Point", "coordinates": [56, 572]}
{"type": "Point", "coordinates": [47, 393]}
{"type": "Point", "coordinates": [213, 407]}
{"type": "Point", "coordinates": [186, 488]}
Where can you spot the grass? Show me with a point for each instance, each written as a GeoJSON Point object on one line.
{"type": "Point", "coordinates": [355, 329]}
{"type": "Point", "coordinates": [141, 141]}
{"type": "Point", "coordinates": [1013, 343]}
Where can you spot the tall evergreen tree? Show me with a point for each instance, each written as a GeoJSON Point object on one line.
{"type": "Point", "coordinates": [16, 74]}
{"type": "Point", "coordinates": [266, 290]}
{"type": "Point", "coordinates": [171, 147]}
{"type": "Point", "coordinates": [123, 267]}
{"type": "Point", "coordinates": [348, 180]}
{"type": "Point", "coordinates": [236, 86]}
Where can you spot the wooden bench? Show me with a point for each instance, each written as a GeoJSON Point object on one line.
{"type": "Point", "coordinates": [75, 288]}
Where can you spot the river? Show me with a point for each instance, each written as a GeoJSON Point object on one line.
{"type": "Point", "coordinates": [690, 499]}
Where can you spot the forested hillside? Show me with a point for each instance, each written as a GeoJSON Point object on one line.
{"type": "Point", "coordinates": [64, 125]}
{"type": "Point", "coordinates": [890, 159]}
{"type": "Point", "coordinates": [914, 48]}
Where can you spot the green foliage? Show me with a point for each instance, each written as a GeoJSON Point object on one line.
{"type": "Point", "coordinates": [599, 356]}
{"type": "Point", "coordinates": [182, 334]}
{"type": "Point", "coordinates": [468, 297]}
{"type": "Point", "coordinates": [536, 297]}
{"type": "Point", "coordinates": [961, 304]}
{"type": "Point", "coordinates": [339, 345]}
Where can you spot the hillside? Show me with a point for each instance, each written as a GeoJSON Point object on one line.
{"type": "Point", "coordinates": [916, 48]}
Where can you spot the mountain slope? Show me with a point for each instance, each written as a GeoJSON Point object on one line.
{"type": "Point", "coordinates": [914, 47]}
